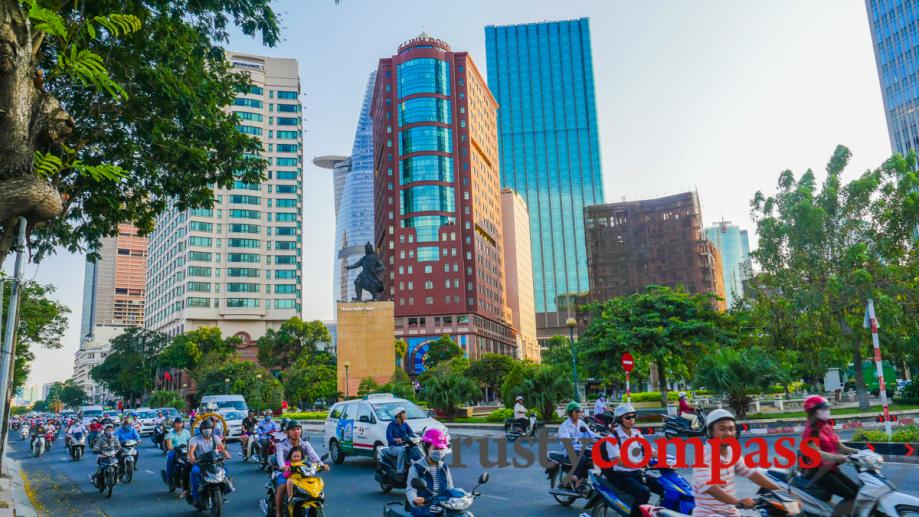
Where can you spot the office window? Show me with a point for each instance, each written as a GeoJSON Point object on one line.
{"type": "Point", "coordinates": [198, 226]}
{"type": "Point", "coordinates": [285, 288]}
{"type": "Point", "coordinates": [242, 288]}
{"type": "Point", "coordinates": [243, 257]}
{"type": "Point", "coordinates": [242, 272]}
{"type": "Point", "coordinates": [245, 200]}
{"type": "Point", "coordinates": [242, 303]}
{"type": "Point", "coordinates": [199, 241]}
{"type": "Point", "coordinates": [285, 304]}
{"type": "Point", "coordinates": [286, 216]}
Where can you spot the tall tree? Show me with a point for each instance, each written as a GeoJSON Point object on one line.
{"type": "Point", "coordinates": [490, 370]}
{"type": "Point", "coordinates": [266, 392]}
{"type": "Point", "coordinates": [188, 350]}
{"type": "Point", "coordinates": [130, 369]}
{"type": "Point", "coordinates": [545, 388]}
{"type": "Point", "coordinates": [669, 326]}
{"type": "Point", "coordinates": [111, 108]}
{"type": "Point", "coordinates": [829, 248]}
{"type": "Point", "coordinates": [441, 351]}
{"type": "Point", "coordinates": [283, 347]}
{"type": "Point", "coordinates": [737, 373]}
{"type": "Point", "coordinates": [42, 322]}
{"type": "Point", "coordinates": [309, 380]}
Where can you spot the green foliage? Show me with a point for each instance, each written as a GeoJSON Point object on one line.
{"type": "Point", "coordinates": [400, 348]}
{"type": "Point", "coordinates": [909, 394]}
{"type": "Point", "coordinates": [243, 375]}
{"type": "Point", "coordinates": [441, 351]}
{"type": "Point", "coordinates": [68, 392]}
{"type": "Point", "coordinates": [312, 378]}
{"type": "Point", "coordinates": [490, 370]}
{"type": "Point", "coordinates": [669, 327]}
{"type": "Point", "coordinates": [283, 347]}
{"type": "Point", "coordinates": [735, 374]}
{"type": "Point", "coordinates": [367, 386]}
{"type": "Point", "coordinates": [129, 370]}
{"type": "Point", "coordinates": [514, 382]}
{"type": "Point", "coordinates": [165, 398]}
{"type": "Point", "coordinates": [457, 365]}
{"type": "Point", "coordinates": [188, 350]}
{"type": "Point", "coordinates": [42, 322]}
{"type": "Point", "coordinates": [400, 385]}
{"type": "Point", "coordinates": [653, 396]}
{"type": "Point", "coordinates": [500, 415]}
{"type": "Point", "coordinates": [19, 410]}
{"type": "Point", "coordinates": [447, 393]}
{"type": "Point", "coordinates": [307, 415]}
{"type": "Point", "coordinates": [40, 406]}
{"type": "Point", "coordinates": [824, 249]}
{"type": "Point", "coordinates": [545, 388]}
{"type": "Point", "coordinates": [902, 434]}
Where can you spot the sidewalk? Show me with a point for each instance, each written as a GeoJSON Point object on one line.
{"type": "Point", "coordinates": [14, 491]}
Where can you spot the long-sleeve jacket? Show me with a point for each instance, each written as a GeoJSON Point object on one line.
{"type": "Point", "coordinates": [396, 430]}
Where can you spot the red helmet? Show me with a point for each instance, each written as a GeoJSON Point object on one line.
{"type": "Point", "coordinates": [815, 402]}
{"type": "Point", "coordinates": [435, 438]}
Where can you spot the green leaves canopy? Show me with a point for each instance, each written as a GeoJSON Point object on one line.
{"type": "Point", "coordinates": [442, 350]}
{"type": "Point", "coordinates": [735, 374]}
{"type": "Point", "coordinates": [130, 369]}
{"type": "Point", "coordinates": [42, 322]}
{"type": "Point", "coordinates": [283, 347]}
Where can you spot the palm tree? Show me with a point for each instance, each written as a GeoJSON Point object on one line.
{"type": "Point", "coordinates": [545, 388]}
{"type": "Point", "coordinates": [736, 373]}
{"type": "Point", "coordinates": [448, 392]}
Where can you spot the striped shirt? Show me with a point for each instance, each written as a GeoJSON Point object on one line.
{"type": "Point", "coordinates": [706, 504]}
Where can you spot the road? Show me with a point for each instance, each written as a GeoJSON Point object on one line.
{"type": "Point", "coordinates": [62, 486]}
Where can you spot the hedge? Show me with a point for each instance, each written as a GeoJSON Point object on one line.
{"type": "Point", "coordinates": [908, 433]}
{"type": "Point", "coordinates": [307, 415]}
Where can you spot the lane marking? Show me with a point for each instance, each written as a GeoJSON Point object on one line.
{"type": "Point", "coordinates": [495, 497]}
{"type": "Point", "coordinates": [148, 471]}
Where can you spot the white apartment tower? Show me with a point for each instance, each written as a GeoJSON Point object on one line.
{"type": "Point", "coordinates": [236, 266]}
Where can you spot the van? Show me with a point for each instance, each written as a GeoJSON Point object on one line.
{"type": "Point", "coordinates": [90, 412]}
{"type": "Point", "coordinates": [228, 402]}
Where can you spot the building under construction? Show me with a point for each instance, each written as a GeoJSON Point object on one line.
{"type": "Point", "coordinates": [631, 245]}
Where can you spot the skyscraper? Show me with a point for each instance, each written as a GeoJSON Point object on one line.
{"type": "Point", "coordinates": [438, 200]}
{"type": "Point", "coordinates": [518, 272]}
{"type": "Point", "coordinates": [660, 241]}
{"type": "Point", "coordinates": [353, 180]}
{"type": "Point", "coordinates": [734, 246]}
{"type": "Point", "coordinates": [236, 266]}
{"type": "Point", "coordinates": [895, 36]}
{"type": "Point", "coordinates": [542, 77]}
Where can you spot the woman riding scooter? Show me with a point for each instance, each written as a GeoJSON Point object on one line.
{"type": "Point", "coordinates": [828, 475]}
{"type": "Point", "coordinates": [630, 480]}
{"type": "Point", "coordinates": [432, 470]}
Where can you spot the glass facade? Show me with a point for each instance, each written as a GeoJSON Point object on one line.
{"type": "Point", "coordinates": [426, 168]}
{"type": "Point", "coordinates": [734, 246]}
{"type": "Point", "coordinates": [895, 35]}
{"type": "Point", "coordinates": [425, 138]}
{"type": "Point", "coordinates": [428, 198]}
{"type": "Point", "coordinates": [424, 75]}
{"type": "Point", "coordinates": [542, 77]}
{"type": "Point", "coordinates": [424, 109]}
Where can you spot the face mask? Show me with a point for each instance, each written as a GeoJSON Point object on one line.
{"type": "Point", "coordinates": [437, 455]}
{"type": "Point", "coordinates": [109, 433]}
{"type": "Point", "coordinates": [823, 414]}
{"type": "Point", "coordinates": [206, 432]}
{"type": "Point", "coordinates": [268, 419]}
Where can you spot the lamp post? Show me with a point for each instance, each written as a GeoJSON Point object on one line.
{"type": "Point", "coordinates": [571, 323]}
{"type": "Point", "coordinates": [347, 365]}
{"type": "Point", "coordinates": [226, 382]}
{"type": "Point", "coordinates": [258, 397]}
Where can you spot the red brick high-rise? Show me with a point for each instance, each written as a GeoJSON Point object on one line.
{"type": "Point", "coordinates": [438, 200]}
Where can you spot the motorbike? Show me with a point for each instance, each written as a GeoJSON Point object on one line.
{"type": "Point", "coordinates": [24, 432]}
{"type": "Point", "coordinates": [128, 462]}
{"type": "Point", "coordinates": [39, 445]}
{"type": "Point", "coordinates": [49, 439]}
{"type": "Point", "coordinates": [248, 445]}
{"type": "Point", "coordinates": [213, 484]}
{"type": "Point", "coordinates": [675, 426]}
{"type": "Point", "coordinates": [265, 450]}
{"type": "Point", "coordinates": [387, 463]}
{"type": "Point", "coordinates": [455, 502]}
{"type": "Point", "coordinates": [675, 493]}
{"type": "Point", "coordinates": [159, 435]}
{"type": "Point", "coordinates": [106, 472]}
{"type": "Point", "coordinates": [77, 445]}
{"type": "Point", "coordinates": [512, 431]}
{"type": "Point", "coordinates": [877, 495]}
{"type": "Point", "coordinates": [601, 424]}
{"type": "Point", "coordinates": [308, 499]}
{"type": "Point", "coordinates": [557, 472]}
{"type": "Point", "coordinates": [768, 504]}
{"type": "Point", "coordinates": [175, 481]}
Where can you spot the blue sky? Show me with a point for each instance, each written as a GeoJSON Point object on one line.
{"type": "Point", "coordinates": [717, 96]}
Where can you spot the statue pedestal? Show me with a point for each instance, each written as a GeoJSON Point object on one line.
{"type": "Point", "coordinates": [366, 339]}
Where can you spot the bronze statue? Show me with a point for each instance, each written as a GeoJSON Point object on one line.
{"type": "Point", "coordinates": [370, 277]}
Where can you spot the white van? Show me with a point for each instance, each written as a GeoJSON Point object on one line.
{"type": "Point", "coordinates": [90, 412]}
{"type": "Point", "coordinates": [223, 402]}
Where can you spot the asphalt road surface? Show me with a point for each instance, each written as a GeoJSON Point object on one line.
{"type": "Point", "coordinates": [62, 487]}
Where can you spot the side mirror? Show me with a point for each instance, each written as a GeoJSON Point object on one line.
{"type": "Point", "coordinates": [418, 484]}
{"type": "Point", "coordinates": [483, 478]}
{"type": "Point", "coordinates": [364, 419]}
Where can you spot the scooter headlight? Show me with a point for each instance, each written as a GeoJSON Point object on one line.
{"type": "Point", "coordinates": [458, 503]}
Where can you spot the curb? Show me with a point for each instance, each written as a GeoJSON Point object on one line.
{"type": "Point", "coordinates": [21, 493]}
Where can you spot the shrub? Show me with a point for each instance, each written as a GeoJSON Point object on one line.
{"type": "Point", "coordinates": [165, 398]}
{"type": "Point", "coordinates": [367, 386]}
{"type": "Point", "coordinates": [308, 415]}
{"type": "Point", "coordinates": [499, 415]}
{"type": "Point", "coordinates": [906, 433]}
{"type": "Point", "coordinates": [654, 396]}
{"type": "Point", "coordinates": [909, 395]}
{"type": "Point", "coordinates": [449, 392]}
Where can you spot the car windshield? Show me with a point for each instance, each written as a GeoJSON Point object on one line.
{"type": "Point", "coordinates": [92, 413]}
{"type": "Point", "coordinates": [234, 415]}
{"type": "Point", "coordinates": [384, 410]}
{"type": "Point", "coordinates": [146, 414]}
{"type": "Point", "coordinates": [232, 404]}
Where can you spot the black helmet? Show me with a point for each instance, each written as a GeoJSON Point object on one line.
{"type": "Point", "coordinates": [206, 424]}
{"type": "Point", "coordinates": [292, 424]}
{"type": "Point", "coordinates": [178, 420]}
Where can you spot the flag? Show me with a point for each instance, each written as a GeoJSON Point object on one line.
{"type": "Point", "coordinates": [167, 376]}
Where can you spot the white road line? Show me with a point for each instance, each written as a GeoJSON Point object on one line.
{"type": "Point", "coordinates": [149, 471]}
{"type": "Point", "coordinates": [495, 497]}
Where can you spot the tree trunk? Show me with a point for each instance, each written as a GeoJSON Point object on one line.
{"type": "Point", "coordinates": [662, 379]}
{"type": "Point", "coordinates": [30, 120]}
{"type": "Point", "coordinates": [860, 389]}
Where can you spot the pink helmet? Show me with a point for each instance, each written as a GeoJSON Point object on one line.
{"type": "Point", "coordinates": [815, 402]}
{"type": "Point", "coordinates": [436, 438]}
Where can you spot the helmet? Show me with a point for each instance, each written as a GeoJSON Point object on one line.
{"type": "Point", "coordinates": [206, 424]}
{"type": "Point", "coordinates": [622, 410]}
{"type": "Point", "coordinates": [268, 412]}
{"type": "Point", "coordinates": [397, 410]}
{"type": "Point", "coordinates": [682, 394]}
{"type": "Point", "coordinates": [292, 424]}
{"type": "Point", "coordinates": [178, 420]}
{"type": "Point", "coordinates": [815, 402]}
{"type": "Point", "coordinates": [571, 407]}
{"type": "Point", "coordinates": [715, 417]}
{"type": "Point", "coordinates": [284, 422]}
{"type": "Point", "coordinates": [251, 411]}
{"type": "Point", "coordinates": [519, 397]}
{"type": "Point", "coordinates": [435, 438]}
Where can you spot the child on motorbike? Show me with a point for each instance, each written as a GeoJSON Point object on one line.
{"type": "Point", "coordinates": [292, 469]}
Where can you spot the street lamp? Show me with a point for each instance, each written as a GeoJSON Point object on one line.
{"type": "Point", "coordinates": [347, 365]}
{"type": "Point", "coordinates": [226, 382]}
{"type": "Point", "coordinates": [258, 401]}
{"type": "Point", "coordinates": [571, 323]}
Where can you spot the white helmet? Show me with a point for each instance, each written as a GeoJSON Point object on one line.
{"type": "Point", "coordinates": [519, 397]}
{"type": "Point", "coordinates": [622, 410]}
{"type": "Point", "coordinates": [716, 416]}
{"type": "Point", "coordinates": [399, 409]}
{"type": "Point", "coordinates": [682, 394]}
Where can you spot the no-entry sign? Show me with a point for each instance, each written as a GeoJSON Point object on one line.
{"type": "Point", "coordinates": [627, 362]}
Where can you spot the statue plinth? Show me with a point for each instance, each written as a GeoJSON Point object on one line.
{"type": "Point", "coordinates": [366, 339]}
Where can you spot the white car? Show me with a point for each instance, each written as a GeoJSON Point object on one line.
{"type": "Point", "coordinates": [358, 427]}
{"type": "Point", "coordinates": [234, 420]}
{"type": "Point", "coordinates": [145, 416]}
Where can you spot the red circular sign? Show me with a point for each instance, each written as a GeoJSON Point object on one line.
{"type": "Point", "coordinates": [627, 362]}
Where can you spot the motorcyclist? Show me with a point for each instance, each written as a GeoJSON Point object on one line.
{"type": "Point", "coordinates": [218, 427]}
{"type": "Point", "coordinates": [176, 437]}
{"type": "Point", "coordinates": [127, 432]}
{"type": "Point", "coordinates": [721, 499]}
{"type": "Point", "coordinates": [397, 434]}
{"type": "Point", "coordinates": [95, 427]}
{"type": "Point", "coordinates": [433, 470]}
{"type": "Point", "coordinates": [159, 419]}
{"type": "Point", "coordinates": [828, 475]}
{"type": "Point", "coordinates": [600, 405]}
{"type": "Point", "coordinates": [520, 414]}
{"type": "Point", "coordinates": [37, 431]}
{"type": "Point", "coordinates": [203, 443]}
{"type": "Point", "coordinates": [107, 441]}
{"type": "Point", "coordinates": [76, 427]}
{"type": "Point", "coordinates": [630, 480]}
{"type": "Point", "coordinates": [687, 411]}
{"type": "Point", "coordinates": [266, 426]}
{"type": "Point", "coordinates": [248, 427]}
{"type": "Point", "coordinates": [293, 431]}
{"type": "Point", "coordinates": [575, 429]}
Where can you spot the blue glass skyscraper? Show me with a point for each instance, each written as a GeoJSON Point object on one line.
{"type": "Point", "coordinates": [353, 183]}
{"type": "Point", "coordinates": [895, 35]}
{"type": "Point", "coordinates": [541, 74]}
